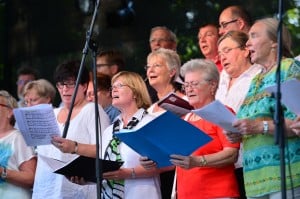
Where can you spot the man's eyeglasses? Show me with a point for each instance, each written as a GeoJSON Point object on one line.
{"type": "Point", "coordinates": [225, 24]}
{"type": "Point", "coordinates": [22, 82]}
{"type": "Point", "coordinates": [4, 105]}
{"type": "Point", "coordinates": [159, 40]}
{"type": "Point", "coordinates": [102, 65]}
{"type": "Point", "coordinates": [193, 84]}
{"type": "Point", "coordinates": [61, 85]}
{"type": "Point", "coordinates": [227, 50]}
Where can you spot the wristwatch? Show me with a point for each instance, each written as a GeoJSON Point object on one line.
{"type": "Point", "coordinates": [265, 127]}
{"type": "Point", "coordinates": [3, 173]}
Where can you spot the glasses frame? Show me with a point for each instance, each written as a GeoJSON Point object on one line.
{"type": "Point", "coordinates": [223, 25]}
{"type": "Point", "coordinates": [118, 86]}
{"type": "Point", "coordinates": [103, 65]}
{"type": "Point", "coordinates": [159, 40]}
{"type": "Point", "coordinates": [22, 82]}
{"type": "Point", "coordinates": [193, 84]}
{"type": "Point", "coordinates": [32, 101]}
{"type": "Point", "coordinates": [60, 85]}
{"type": "Point", "coordinates": [5, 105]}
{"type": "Point", "coordinates": [154, 66]}
{"type": "Point", "coordinates": [227, 50]}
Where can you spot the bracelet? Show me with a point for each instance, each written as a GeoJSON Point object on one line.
{"type": "Point", "coordinates": [3, 173]}
{"type": "Point", "coordinates": [203, 161]}
{"type": "Point", "coordinates": [133, 173]}
{"type": "Point", "coordinates": [266, 127]}
{"type": "Point", "coordinates": [76, 148]}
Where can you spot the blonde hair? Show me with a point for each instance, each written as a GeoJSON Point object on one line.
{"type": "Point", "coordinates": [43, 88]}
{"type": "Point", "coordinates": [11, 102]}
{"type": "Point", "coordinates": [137, 85]}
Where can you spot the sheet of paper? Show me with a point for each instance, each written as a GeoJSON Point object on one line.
{"type": "Point", "coordinates": [219, 114]}
{"type": "Point", "coordinates": [37, 124]}
{"type": "Point", "coordinates": [290, 94]}
{"type": "Point", "coordinates": [165, 135]}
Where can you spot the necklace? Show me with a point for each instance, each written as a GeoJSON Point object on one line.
{"type": "Point", "coordinates": [258, 82]}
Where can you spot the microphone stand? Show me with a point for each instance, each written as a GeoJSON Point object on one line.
{"type": "Point", "coordinates": [93, 47]}
{"type": "Point", "coordinates": [278, 117]}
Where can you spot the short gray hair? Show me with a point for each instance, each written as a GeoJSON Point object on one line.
{"type": "Point", "coordinates": [207, 67]}
{"type": "Point", "coordinates": [171, 57]}
{"type": "Point", "coordinates": [172, 35]}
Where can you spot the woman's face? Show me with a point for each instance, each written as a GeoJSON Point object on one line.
{"type": "Point", "coordinates": [158, 73]}
{"type": "Point", "coordinates": [259, 44]}
{"type": "Point", "coordinates": [122, 94]}
{"type": "Point", "coordinates": [32, 98]}
{"type": "Point", "coordinates": [199, 91]}
{"type": "Point", "coordinates": [5, 111]}
{"type": "Point", "coordinates": [233, 57]}
{"type": "Point", "coordinates": [66, 90]}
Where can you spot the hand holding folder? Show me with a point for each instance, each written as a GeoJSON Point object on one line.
{"type": "Point", "coordinates": [165, 135]}
{"type": "Point", "coordinates": [175, 104]}
{"type": "Point", "coordinates": [81, 166]}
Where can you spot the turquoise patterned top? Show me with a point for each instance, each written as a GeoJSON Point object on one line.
{"type": "Point", "coordinates": [261, 157]}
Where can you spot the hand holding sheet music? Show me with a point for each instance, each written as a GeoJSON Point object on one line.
{"type": "Point", "coordinates": [219, 114]}
{"type": "Point", "coordinates": [290, 94]}
{"type": "Point", "coordinates": [37, 124]}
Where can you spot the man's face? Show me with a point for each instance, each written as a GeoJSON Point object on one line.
{"type": "Point", "coordinates": [104, 67]}
{"type": "Point", "coordinates": [161, 39]}
{"type": "Point", "coordinates": [228, 22]}
{"type": "Point", "coordinates": [207, 40]}
{"type": "Point", "coordinates": [23, 79]}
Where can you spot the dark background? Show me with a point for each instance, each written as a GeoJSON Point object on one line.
{"type": "Point", "coordinates": [41, 34]}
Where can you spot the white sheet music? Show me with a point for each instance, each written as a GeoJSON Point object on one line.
{"type": "Point", "coordinates": [290, 94]}
{"type": "Point", "coordinates": [37, 124]}
{"type": "Point", "coordinates": [218, 114]}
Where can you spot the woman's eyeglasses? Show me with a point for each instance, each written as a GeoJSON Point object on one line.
{"type": "Point", "coordinates": [193, 84]}
{"type": "Point", "coordinates": [61, 85]}
{"type": "Point", "coordinates": [117, 86]}
{"type": "Point", "coordinates": [4, 105]}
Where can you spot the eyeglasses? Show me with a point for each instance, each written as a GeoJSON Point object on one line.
{"type": "Point", "coordinates": [22, 82]}
{"type": "Point", "coordinates": [117, 86]}
{"type": "Point", "coordinates": [102, 65]}
{"type": "Point", "coordinates": [4, 105]}
{"type": "Point", "coordinates": [225, 24]}
{"type": "Point", "coordinates": [159, 40]}
{"type": "Point", "coordinates": [193, 84]}
{"type": "Point", "coordinates": [227, 50]}
{"type": "Point", "coordinates": [154, 66]}
{"type": "Point", "coordinates": [31, 101]}
{"type": "Point", "coordinates": [60, 85]}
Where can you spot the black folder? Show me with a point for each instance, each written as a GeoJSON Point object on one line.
{"type": "Point", "coordinates": [82, 167]}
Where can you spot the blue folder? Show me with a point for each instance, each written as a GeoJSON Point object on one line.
{"type": "Point", "coordinates": [165, 135]}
